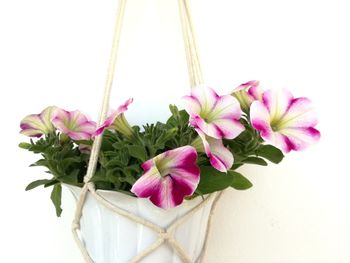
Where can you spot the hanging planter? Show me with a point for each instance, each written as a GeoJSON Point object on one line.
{"type": "Point", "coordinates": [146, 194]}
{"type": "Point", "coordinates": [111, 237]}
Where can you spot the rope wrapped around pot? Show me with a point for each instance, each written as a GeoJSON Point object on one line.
{"type": "Point", "coordinates": [164, 234]}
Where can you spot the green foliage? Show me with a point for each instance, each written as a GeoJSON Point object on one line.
{"type": "Point", "coordinates": [213, 180]}
{"type": "Point", "coordinates": [239, 181]}
{"type": "Point", "coordinates": [37, 183]}
{"type": "Point", "coordinates": [270, 153]}
{"type": "Point", "coordinates": [255, 160]}
{"type": "Point", "coordinates": [121, 157]}
{"type": "Point", "coordinates": [56, 196]}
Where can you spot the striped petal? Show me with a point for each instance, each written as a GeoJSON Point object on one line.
{"type": "Point", "coordinates": [220, 157]}
{"type": "Point", "coordinates": [277, 102]}
{"type": "Point", "coordinates": [227, 128]}
{"type": "Point", "coordinates": [246, 93]}
{"type": "Point", "coordinates": [169, 177]}
{"type": "Point", "coordinates": [226, 107]}
{"type": "Point", "coordinates": [217, 116]}
{"type": "Point", "coordinates": [260, 119]}
{"type": "Point", "coordinates": [111, 119]}
{"type": "Point", "coordinates": [35, 125]}
{"type": "Point", "coordinates": [285, 122]}
{"type": "Point", "coordinates": [73, 123]}
{"type": "Point", "coordinates": [255, 91]}
{"type": "Point", "coordinates": [300, 114]}
{"type": "Point", "coordinates": [206, 96]}
{"type": "Point", "coordinates": [148, 183]}
{"type": "Point", "coordinates": [300, 138]}
{"type": "Point", "coordinates": [192, 105]}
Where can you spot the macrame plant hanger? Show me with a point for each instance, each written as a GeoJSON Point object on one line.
{"type": "Point", "coordinates": [164, 234]}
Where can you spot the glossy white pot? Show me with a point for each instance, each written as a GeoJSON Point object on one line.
{"type": "Point", "coordinates": [111, 238]}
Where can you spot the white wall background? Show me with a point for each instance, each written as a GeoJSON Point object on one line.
{"type": "Point", "coordinates": [55, 52]}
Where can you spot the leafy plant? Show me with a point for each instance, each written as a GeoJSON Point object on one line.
{"type": "Point", "coordinates": [120, 159]}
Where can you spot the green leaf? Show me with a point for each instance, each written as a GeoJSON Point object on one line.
{"type": "Point", "coordinates": [52, 182]}
{"type": "Point", "coordinates": [37, 183]}
{"type": "Point", "coordinates": [178, 118]}
{"type": "Point", "coordinates": [212, 180]}
{"type": "Point", "coordinates": [239, 181]}
{"type": "Point", "coordinates": [138, 152]}
{"type": "Point", "coordinates": [25, 145]}
{"type": "Point", "coordinates": [70, 178]}
{"type": "Point", "coordinates": [270, 153]}
{"type": "Point", "coordinates": [56, 196]}
{"type": "Point", "coordinates": [236, 166]}
{"type": "Point", "coordinates": [255, 160]}
{"type": "Point", "coordinates": [41, 162]}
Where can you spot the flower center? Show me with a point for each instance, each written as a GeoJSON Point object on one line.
{"type": "Point", "coordinates": [161, 166]}
{"type": "Point", "coordinates": [70, 125]}
{"type": "Point", "coordinates": [206, 116]}
{"type": "Point", "coordinates": [277, 124]}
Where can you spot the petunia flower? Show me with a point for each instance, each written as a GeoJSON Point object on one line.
{"type": "Point", "coordinates": [35, 125]}
{"type": "Point", "coordinates": [74, 124]}
{"type": "Point", "coordinates": [285, 122]}
{"type": "Point", "coordinates": [247, 93]}
{"type": "Point", "coordinates": [216, 116]}
{"type": "Point", "coordinates": [169, 177]}
{"type": "Point", "coordinates": [219, 156]}
{"type": "Point", "coordinates": [117, 121]}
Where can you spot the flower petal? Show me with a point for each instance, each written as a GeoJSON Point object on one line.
{"type": "Point", "coordinates": [169, 177]}
{"type": "Point", "coordinates": [217, 116]}
{"type": "Point", "coordinates": [220, 157]}
{"type": "Point", "coordinates": [260, 119]}
{"type": "Point", "coordinates": [192, 105]}
{"type": "Point", "coordinates": [206, 96]}
{"type": "Point", "coordinates": [35, 125]}
{"type": "Point", "coordinates": [183, 157]}
{"type": "Point", "coordinates": [247, 85]}
{"type": "Point", "coordinates": [227, 128]}
{"type": "Point", "coordinates": [280, 141]}
{"type": "Point", "coordinates": [255, 91]}
{"type": "Point", "coordinates": [300, 114]}
{"type": "Point", "coordinates": [113, 116]}
{"type": "Point", "coordinates": [148, 183]}
{"type": "Point", "coordinates": [31, 132]}
{"type": "Point", "coordinates": [32, 121]}
{"type": "Point", "coordinates": [220, 128]}
{"type": "Point", "coordinates": [285, 122]}
{"type": "Point", "coordinates": [300, 138]}
{"type": "Point", "coordinates": [46, 116]}
{"type": "Point", "coordinates": [73, 123]}
{"type": "Point", "coordinates": [60, 119]}
{"type": "Point", "coordinates": [277, 102]}
{"type": "Point", "coordinates": [226, 107]}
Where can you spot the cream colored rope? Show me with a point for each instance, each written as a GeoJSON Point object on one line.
{"type": "Point", "coordinates": [196, 78]}
{"type": "Point", "coordinates": [191, 49]}
{"type": "Point", "coordinates": [98, 140]}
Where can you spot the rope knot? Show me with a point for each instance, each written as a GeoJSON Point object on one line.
{"type": "Point", "coordinates": [164, 235]}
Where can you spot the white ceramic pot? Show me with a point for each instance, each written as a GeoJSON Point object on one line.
{"type": "Point", "coordinates": [111, 238]}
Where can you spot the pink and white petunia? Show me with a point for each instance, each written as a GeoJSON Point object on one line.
{"type": "Point", "coordinates": [285, 122]}
{"type": "Point", "coordinates": [248, 92]}
{"type": "Point", "coordinates": [169, 177]}
{"type": "Point", "coordinates": [74, 124]}
{"type": "Point", "coordinates": [35, 125]}
{"type": "Point", "coordinates": [220, 157]}
{"type": "Point", "coordinates": [216, 116]}
{"type": "Point", "coordinates": [114, 120]}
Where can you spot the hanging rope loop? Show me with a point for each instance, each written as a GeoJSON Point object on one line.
{"type": "Point", "coordinates": [196, 78]}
